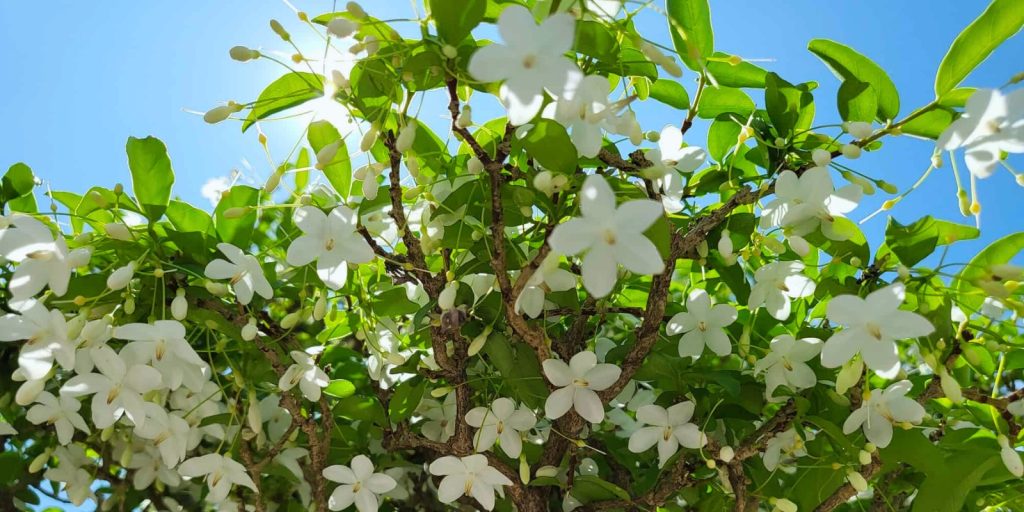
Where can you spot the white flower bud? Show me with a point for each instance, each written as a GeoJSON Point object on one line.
{"type": "Point", "coordinates": [559, 182]}
{"type": "Point", "coordinates": [542, 182]}
{"type": "Point", "coordinates": [726, 454]}
{"type": "Point", "coordinates": [37, 463]}
{"type": "Point", "coordinates": [849, 375]}
{"type": "Point", "coordinates": [369, 138]}
{"type": "Point", "coordinates": [449, 51]}
{"type": "Point", "coordinates": [950, 386]}
{"type": "Point", "coordinates": [725, 247]}
{"type": "Point", "coordinates": [118, 231]}
{"type": "Point", "coordinates": [821, 157]}
{"type": "Point", "coordinates": [414, 167]}
{"type": "Point", "coordinates": [702, 249]}
{"type": "Point", "coordinates": [547, 472]}
{"type": "Point", "coordinates": [465, 118]}
{"type": "Point", "coordinates": [76, 325]}
{"type": "Point", "coordinates": [272, 182]}
{"type": "Point", "coordinates": [129, 305]}
{"type": "Point", "coordinates": [216, 289]}
{"type": "Point", "coordinates": [406, 137]}
{"type": "Point", "coordinates": [290, 320]}
{"type": "Point", "coordinates": [858, 129]}
{"type": "Point", "coordinates": [253, 415]}
{"type": "Point", "coordinates": [864, 457]}
{"type": "Point", "coordinates": [851, 151]}
{"type": "Point", "coordinates": [220, 113]}
{"type": "Point", "coordinates": [341, 27]}
{"type": "Point", "coordinates": [250, 330]}
{"type": "Point", "coordinates": [479, 341]}
{"type": "Point", "coordinates": [474, 165]}
{"type": "Point", "coordinates": [857, 481]}
{"type": "Point", "coordinates": [179, 306]}
{"type": "Point", "coordinates": [799, 245]}
{"type": "Point", "coordinates": [320, 308]}
{"type": "Point", "coordinates": [243, 54]}
{"type": "Point", "coordinates": [783, 505]}
{"type": "Point", "coordinates": [1011, 459]}
{"type": "Point", "coordinates": [355, 10]}
{"type": "Point", "coordinates": [326, 155]}
{"type": "Point", "coordinates": [121, 277]}
{"type": "Point", "coordinates": [446, 299]}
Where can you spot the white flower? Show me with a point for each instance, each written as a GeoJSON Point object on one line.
{"type": "Point", "coordinates": [577, 383]}
{"type": "Point", "coordinates": [1011, 459]}
{"type": "Point", "coordinates": [148, 467]}
{"type": "Point", "coordinates": [804, 203]}
{"type": "Point", "coordinates": [585, 112]}
{"type": "Point", "coordinates": [668, 428]}
{"type": "Point", "coordinates": [469, 476]}
{"type": "Point", "coordinates": [872, 326]}
{"type": "Point", "coordinates": [243, 270]}
{"type": "Point", "coordinates": [784, 447]}
{"type": "Point", "coordinates": [289, 459]}
{"type": "Point", "coordinates": [704, 324]}
{"type": "Point", "coordinates": [331, 240]}
{"type": "Point", "coordinates": [170, 433]}
{"type": "Point", "coordinates": [883, 408]}
{"type": "Point", "coordinates": [671, 157]}
{"type": "Point", "coordinates": [531, 60]}
{"type": "Point", "coordinates": [359, 485]}
{"type": "Point", "coordinates": [440, 418]}
{"type": "Point", "coordinates": [46, 333]}
{"type": "Point", "coordinates": [221, 472]}
{"type": "Point", "coordinates": [77, 480]}
{"type": "Point", "coordinates": [500, 421]}
{"type": "Point", "coordinates": [548, 277]}
{"type": "Point", "coordinates": [42, 259]}
{"type": "Point", "coordinates": [117, 390]}
{"type": "Point", "coordinates": [610, 236]}
{"type": "Point", "coordinates": [775, 284]}
{"type": "Point", "coordinates": [992, 123]}
{"type": "Point", "coordinates": [786, 364]}
{"type": "Point", "coordinates": [61, 412]}
{"type": "Point", "coordinates": [162, 344]}
{"type": "Point", "coordinates": [306, 374]}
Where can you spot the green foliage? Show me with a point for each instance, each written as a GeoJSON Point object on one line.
{"type": "Point", "coordinates": [152, 176]}
{"type": "Point", "coordinates": [847, 64]}
{"type": "Point", "coordinates": [1001, 20]}
{"type": "Point", "coordinates": [690, 26]}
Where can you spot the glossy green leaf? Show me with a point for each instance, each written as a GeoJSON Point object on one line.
{"type": "Point", "coordinates": [857, 101]}
{"type": "Point", "coordinates": [1001, 20]}
{"type": "Point", "coordinates": [596, 40]}
{"type": "Point", "coordinates": [237, 231]}
{"type": "Point", "coordinates": [188, 218]}
{"type": "Point", "coordinates": [152, 176]}
{"type": "Point", "coordinates": [715, 101]}
{"type": "Point", "coordinates": [689, 22]}
{"type": "Point", "coordinates": [340, 388]}
{"type": "Point", "coordinates": [286, 92]}
{"type": "Point", "coordinates": [914, 242]}
{"type": "Point", "coordinates": [999, 252]}
{"type": "Point", "coordinates": [743, 74]}
{"type": "Point", "coordinates": [406, 398]}
{"type": "Point", "coordinates": [339, 170]}
{"type": "Point", "coordinates": [847, 63]}
{"type": "Point", "coordinates": [456, 18]}
{"type": "Point", "coordinates": [722, 136]}
{"type": "Point", "coordinates": [931, 124]}
{"type": "Point", "coordinates": [549, 144]}
{"type": "Point", "coordinates": [791, 108]}
{"type": "Point", "coordinates": [17, 181]}
{"type": "Point", "coordinates": [671, 93]}
{"type": "Point", "coordinates": [588, 488]}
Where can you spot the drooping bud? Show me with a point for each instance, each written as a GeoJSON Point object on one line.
{"type": "Point", "coordinates": [179, 306]}
{"type": "Point", "coordinates": [851, 151]}
{"type": "Point", "coordinates": [216, 289]}
{"type": "Point", "coordinates": [857, 481]}
{"type": "Point", "coordinates": [355, 10]}
{"type": "Point", "coordinates": [341, 27]}
{"type": "Point", "coordinates": [479, 341]}
{"type": "Point", "coordinates": [406, 137]}
{"type": "Point", "coordinates": [369, 138]}
{"type": "Point", "coordinates": [950, 386]}
{"type": "Point", "coordinates": [821, 157]}
{"type": "Point", "coordinates": [858, 129]}
{"type": "Point", "coordinates": [120, 278]}
{"type": "Point", "coordinates": [253, 415]}
{"type": "Point", "coordinates": [290, 320]}
{"type": "Point", "coordinates": [887, 187]}
{"type": "Point", "coordinates": [799, 245]}
{"type": "Point", "coordinates": [446, 299]}
{"type": "Point", "coordinates": [326, 155]}
{"type": "Point", "coordinates": [449, 51]}
{"type": "Point", "coordinates": [864, 457]}
{"type": "Point", "coordinates": [1011, 459]}
{"type": "Point", "coordinates": [272, 182]}
{"type": "Point", "coordinates": [963, 202]}
{"type": "Point", "coordinates": [465, 118]}
{"type": "Point", "coordinates": [250, 330]}
{"type": "Point", "coordinates": [222, 112]}
{"type": "Point", "coordinates": [243, 54]}
{"type": "Point", "coordinates": [320, 308]}
{"type": "Point", "coordinates": [849, 375]}
{"type": "Point", "coordinates": [39, 462]}
{"type": "Point", "coordinates": [725, 247]}
{"type": "Point", "coordinates": [129, 305]}
{"type": "Point", "coordinates": [118, 231]}
{"type": "Point", "coordinates": [279, 30]}
{"type": "Point", "coordinates": [726, 454]}
{"type": "Point", "coordinates": [542, 182]}
{"type": "Point", "coordinates": [236, 212]}
{"type": "Point", "coordinates": [474, 165]}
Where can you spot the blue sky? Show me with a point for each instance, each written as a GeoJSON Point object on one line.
{"type": "Point", "coordinates": [80, 77]}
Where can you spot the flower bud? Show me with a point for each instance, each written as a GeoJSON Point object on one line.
{"type": "Point", "coordinates": [236, 212]}
{"type": "Point", "coordinates": [406, 137]}
{"type": "Point", "coordinates": [710, 463]}
{"type": "Point", "coordinates": [243, 54]}
{"type": "Point", "coordinates": [857, 481]}
{"type": "Point", "coordinates": [474, 165]}
{"type": "Point", "coordinates": [126, 457]}
{"type": "Point", "coordinates": [784, 505]}
{"type": "Point", "coordinates": [888, 204]}
{"type": "Point", "coordinates": [903, 272]}
{"type": "Point", "coordinates": [725, 247]}
{"type": "Point", "coordinates": [542, 182]}
{"type": "Point", "coordinates": [851, 151]}
{"type": "Point", "coordinates": [849, 375]}
{"type": "Point", "coordinates": [355, 10]}
{"type": "Point", "coordinates": [129, 305]}
{"type": "Point", "coordinates": [858, 129]}
{"type": "Point", "coordinates": [179, 306]}
{"type": "Point", "coordinates": [821, 157]}
{"type": "Point", "coordinates": [887, 187]}
{"type": "Point", "coordinates": [250, 330]}
{"type": "Point", "coordinates": [1020, 179]}
{"type": "Point", "coordinates": [290, 320]}
{"type": "Point", "coordinates": [369, 138]}
{"type": "Point", "coordinates": [320, 308]}
{"type": "Point", "coordinates": [216, 289]}
{"type": "Point", "coordinates": [1011, 459]}
{"type": "Point", "coordinates": [799, 245]}
{"type": "Point", "coordinates": [465, 118]}
{"type": "Point", "coordinates": [440, 392]}
{"type": "Point", "coordinates": [37, 463]}
{"type": "Point", "coordinates": [414, 167]}
{"type": "Point", "coordinates": [950, 386]}
{"type": "Point", "coordinates": [118, 231]}
{"type": "Point", "coordinates": [326, 155]}
{"type": "Point", "coordinates": [341, 27]}
{"type": "Point", "coordinates": [702, 249]}
{"type": "Point", "coordinates": [726, 454]}
{"type": "Point", "coordinates": [446, 299]}
{"type": "Point", "coordinates": [272, 182]}
{"type": "Point", "coordinates": [855, 262]}
{"type": "Point", "coordinates": [479, 341]}
{"type": "Point", "coordinates": [220, 113]}
{"type": "Point", "coordinates": [120, 278]}
{"type": "Point", "coordinates": [864, 457]}
{"type": "Point", "coordinates": [253, 415]}
{"type": "Point", "coordinates": [449, 51]}
{"type": "Point", "coordinates": [279, 30]}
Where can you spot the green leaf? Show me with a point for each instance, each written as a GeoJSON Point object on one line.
{"type": "Point", "coordinates": [456, 18]}
{"type": "Point", "coordinates": [188, 218]}
{"type": "Point", "coordinates": [721, 100]}
{"type": "Point", "coordinates": [406, 398]}
{"type": "Point", "coordinates": [722, 136]}
{"type": "Point", "coordinates": [17, 182]}
{"type": "Point", "coordinates": [361, 408]}
{"type": "Point", "coordinates": [340, 388]}
{"type": "Point", "coordinates": [857, 101]}
{"type": "Point", "coordinates": [999, 252]}
{"type": "Point", "coordinates": [743, 74]}
{"type": "Point", "coordinates": [846, 63]}
{"type": "Point", "coordinates": [152, 176]}
{"type": "Point", "coordinates": [11, 468]}
{"type": "Point", "coordinates": [339, 170]}
{"type": "Point", "coordinates": [670, 93]}
{"type": "Point", "coordinates": [374, 88]}
{"type": "Point", "coordinates": [914, 242]}
{"type": "Point", "coordinates": [931, 124]}
{"type": "Point", "coordinates": [1001, 20]}
{"type": "Point", "coordinates": [689, 22]}
{"type": "Point", "coordinates": [286, 92]}
{"type": "Point", "coordinates": [588, 488]}
{"type": "Point", "coordinates": [392, 303]}
{"type": "Point", "coordinates": [595, 40]}
{"type": "Point", "coordinates": [519, 369]}
{"type": "Point", "coordinates": [791, 108]}
{"type": "Point", "coordinates": [550, 145]}
{"type": "Point", "coordinates": [236, 231]}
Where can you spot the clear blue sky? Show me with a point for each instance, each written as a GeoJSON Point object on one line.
{"type": "Point", "coordinates": [80, 77]}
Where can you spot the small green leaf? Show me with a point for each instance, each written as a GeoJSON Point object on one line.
{"type": "Point", "coordinates": [847, 63]}
{"type": "Point", "coordinates": [550, 145]}
{"type": "Point", "coordinates": [670, 93]}
{"type": "Point", "coordinates": [595, 40]}
{"type": "Point", "coordinates": [931, 124]}
{"type": "Point", "coordinates": [857, 101]}
{"type": "Point", "coordinates": [339, 170]}
{"type": "Point", "coordinates": [721, 100]}
{"type": "Point", "coordinates": [791, 108]}
{"type": "Point", "coordinates": [188, 218]}
{"type": "Point", "coordinates": [689, 22]}
{"type": "Point", "coordinates": [722, 136]}
{"type": "Point", "coordinates": [456, 18]}
{"type": "Point", "coordinates": [152, 176]}
{"type": "Point", "coordinates": [17, 182]}
{"type": "Point", "coordinates": [588, 488]}
{"type": "Point", "coordinates": [286, 92]}
{"type": "Point", "coordinates": [406, 398]}
{"type": "Point", "coordinates": [340, 388]}
{"type": "Point", "coordinates": [1001, 20]}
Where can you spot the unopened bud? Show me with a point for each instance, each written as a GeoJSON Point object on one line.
{"type": "Point", "coordinates": [855, 261]}
{"type": "Point", "coordinates": [179, 306]}
{"type": "Point", "coordinates": [726, 454]}
{"type": "Point", "coordinates": [440, 392]}
{"type": "Point", "coordinates": [129, 305]}
{"type": "Point", "coordinates": [355, 10]}
{"type": "Point", "coordinates": [326, 155]}
{"type": "Point", "coordinates": [236, 212]}
{"type": "Point", "coordinates": [406, 137]}
{"type": "Point", "coordinates": [369, 138]}
{"type": "Point", "coordinates": [341, 27]}
{"type": "Point", "coordinates": [216, 289]}
{"type": "Point", "coordinates": [243, 54]}
{"type": "Point", "coordinates": [887, 187]}
{"type": "Point", "coordinates": [446, 299]}
{"type": "Point", "coordinates": [250, 330]}
{"type": "Point", "coordinates": [120, 278]}
{"type": "Point", "coordinates": [964, 203]}
{"type": "Point", "coordinates": [272, 182]}
{"type": "Point", "coordinates": [889, 203]}
{"type": "Point", "coordinates": [290, 320]}
{"type": "Point", "coordinates": [222, 112]}
{"type": "Point", "coordinates": [37, 463]}
{"type": "Point", "coordinates": [449, 51]}
{"type": "Point", "coordinates": [465, 119]}
{"type": "Point", "coordinates": [279, 30]}
{"type": "Point", "coordinates": [320, 308]}
{"type": "Point", "coordinates": [474, 165]}
{"type": "Point", "coordinates": [864, 457]}
{"type": "Point", "coordinates": [858, 129]}
{"type": "Point", "coordinates": [821, 157]}
{"type": "Point", "coordinates": [857, 481]}
{"type": "Point", "coordinates": [118, 231]}
{"type": "Point", "coordinates": [851, 151]}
